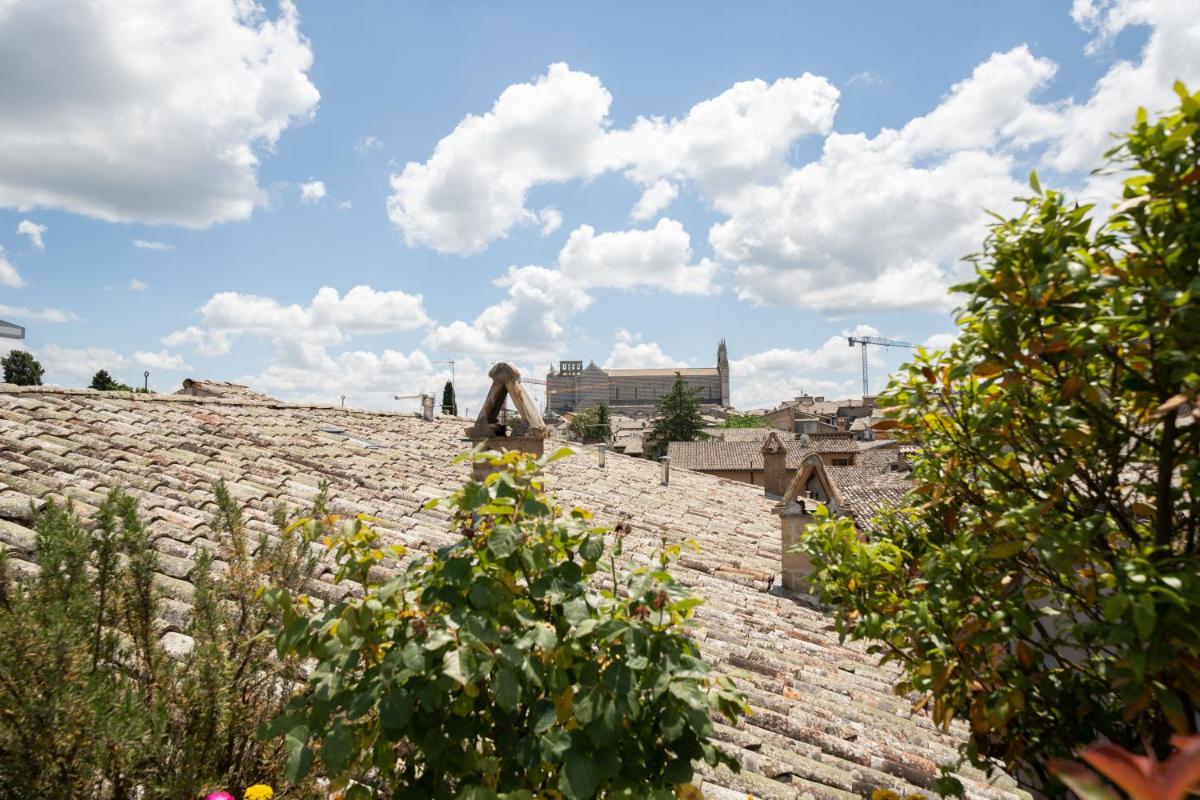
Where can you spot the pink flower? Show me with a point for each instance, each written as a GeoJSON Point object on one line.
{"type": "Point", "coordinates": [219, 796]}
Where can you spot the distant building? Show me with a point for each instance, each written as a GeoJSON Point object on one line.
{"type": "Point", "coordinates": [574, 387]}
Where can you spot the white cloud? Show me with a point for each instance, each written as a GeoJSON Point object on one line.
{"type": "Point", "coordinates": [38, 315]}
{"type": "Point", "coordinates": [529, 322]}
{"type": "Point", "coordinates": [142, 244]}
{"type": "Point", "coordinates": [76, 364]}
{"type": "Point", "coordinates": [654, 199]}
{"type": "Point", "coordinates": [308, 372]}
{"type": "Point", "coordinates": [34, 231]}
{"type": "Point", "coordinates": [883, 221]}
{"type": "Point", "coordinates": [329, 318]}
{"type": "Point", "coordinates": [940, 341]}
{"type": "Point", "coordinates": [1172, 52]}
{"type": "Point", "coordinates": [742, 135]}
{"type": "Point", "coordinates": [154, 111]}
{"type": "Point", "coordinates": [472, 189]}
{"type": "Point", "coordinates": [656, 258]}
{"type": "Point", "coordinates": [763, 380]}
{"type": "Point", "coordinates": [345, 205]}
{"type": "Point", "coordinates": [163, 359]}
{"type": "Point", "coordinates": [367, 144]}
{"type": "Point", "coordinates": [866, 77]}
{"type": "Point", "coordinates": [138, 285]}
{"type": "Point", "coordinates": [551, 219]}
{"type": "Point", "coordinates": [629, 352]}
{"type": "Point", "coordinates": [312, 191]}
{"type": "Point", "coordinates": [8, 273]}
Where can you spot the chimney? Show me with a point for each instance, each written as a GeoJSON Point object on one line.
{"type": "Point", "coordinates": [528, 435]}
{"type": "Point", "coordinates": [794, 517]}
{"type": "Point", "coordinates": [775, 473]}
{"type": "Point", "coordinates": [666, 469]}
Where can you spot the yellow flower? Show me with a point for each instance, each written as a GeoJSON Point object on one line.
{"type": "Point", "coordinates": [259, 791]}
{"type": "Point", "coordinates": [688, 791]}
{"type": "Point", "coordinates": [884, 794]}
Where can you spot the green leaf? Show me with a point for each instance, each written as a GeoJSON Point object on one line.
{"type": "Point", "coordinates": [507, 689]}
{"type": "Point", "coordinates": [336, 749]}
{"type": "Point", "coordinates": [1033, 181]}
{"type": "Point", "coordinates": [576, 610]}
{"type": "Point", "coordinates": [299, 756]}
{"type": "Point", "coordinates": [454, 665]}
{"type": "Point", "coordinates": [592, 548]}
{"type": "Point", "coordinates": [395, 710]}
{"type": "Point", "coordinates": [1144, 615]}
{"type": "Point", "coordinates": [1005, 549]}
{"type": "Point", "coordinates": [503, 540]}
{"type": "Point", "coordinates": [579, 778]}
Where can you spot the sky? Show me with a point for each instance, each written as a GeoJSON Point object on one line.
{"type": "Point", "coordinates": [324, 199]}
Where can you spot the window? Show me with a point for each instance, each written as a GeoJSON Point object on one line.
{"type": "Point", "coordinates": [841, 462]}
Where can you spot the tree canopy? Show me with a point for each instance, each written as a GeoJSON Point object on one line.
{"type": "Point", "coordinates": [449, 402]}
{"type": "Point", "coordinates": [591, 425]}
{"type": "Point", "coordinates": [104, 382]}
{"type": "Point", "coordinates": [21, 368]}
{"type": "Point", "coordinates": [1044, 584]}
{"type": "Point", "coordinates": [678, 418]}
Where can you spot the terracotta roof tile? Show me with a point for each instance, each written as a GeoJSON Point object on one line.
{"type": "Point", "coordinates": [826, 724]}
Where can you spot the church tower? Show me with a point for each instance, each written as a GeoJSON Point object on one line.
{"type": "Point", "coordinates": [723, 371]}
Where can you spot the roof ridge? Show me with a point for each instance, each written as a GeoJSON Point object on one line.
{"type": "Point", "coordinates": [165, 397]}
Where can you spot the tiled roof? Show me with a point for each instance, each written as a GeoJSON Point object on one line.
{"type": "Point", "coordinates": [826, 724]}
{"type": "Point", "coordinates": [202, 388]}
{"type": "Point", "coordinates": [745, 434]}
{"type": "Point", "coordinates": [725, 456]}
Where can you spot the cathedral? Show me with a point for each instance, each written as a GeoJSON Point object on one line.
{"type": "Point", "coordinates": [574, 387]}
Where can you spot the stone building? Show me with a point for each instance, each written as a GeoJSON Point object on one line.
{"type": "Point", "coordinates": [575, 387]}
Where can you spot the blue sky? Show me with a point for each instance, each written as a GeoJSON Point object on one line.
{"type": "Point", "coordinates": [626, 183]}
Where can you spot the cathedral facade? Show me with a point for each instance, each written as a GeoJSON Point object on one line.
{"type": "Point", "coordinates": [574, 387]}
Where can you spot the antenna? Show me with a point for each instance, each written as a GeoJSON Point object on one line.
{"type": "Point", "coordinates": [146, 378]}
{"type": "Point", "coordinates": [878, 342]}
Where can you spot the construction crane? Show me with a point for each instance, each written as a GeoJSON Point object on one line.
{"type": "Point", "coordinates": [863, 341]}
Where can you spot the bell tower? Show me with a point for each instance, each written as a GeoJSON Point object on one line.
{"type": "Point", "coordinates": [723, 371]}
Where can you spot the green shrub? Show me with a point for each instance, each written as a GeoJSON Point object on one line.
{"type": "Point", "coordinates": [518, 661]}
{"type": "Point", "coordinates": [591, 425]}
{"type": "Point", "coordinates": [1044, 586]}
{"type": "Point", "coordinates": [90, 704]}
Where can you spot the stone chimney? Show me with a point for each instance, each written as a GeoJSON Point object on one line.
{"type": "Point", "coordinates": [794, 517]}
{"type": "Point", "coordinates": [775, 473]}
{"type": "Point", "coordinates": [528, 435]}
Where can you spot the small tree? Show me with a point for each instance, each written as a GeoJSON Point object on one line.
{"type": "Point", "coordinates": [744, 421]}
{"type": "Point", "coordinates": [678, 419]}
{"type": "Point", "coordinates": [494, 668]}
{"type": "Point", "coordinates": [591, 425]}
{"type": "Point", "coordinates": [91, 704]}
{"type": "Point", "coordinates": [104, 382]}
{"type": "Point", "coordinates": [449, 402]}
{"type": "Point", "coordinates": [1044, 585]}
{"type": "Point", "coordinates": [21, 368]}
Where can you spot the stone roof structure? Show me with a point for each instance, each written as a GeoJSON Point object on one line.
{"type": "Point", "coordinates": [203, 388]}
{"type": "Point", "coordinates": [825, 725]}
{"type": "Point", "coordinates": [727, 456]}
{"type": "Point", "coordinates": [743, 434]}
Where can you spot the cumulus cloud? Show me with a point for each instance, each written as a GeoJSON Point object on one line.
{"type": "Point", "coordinates": [155, 111]}
{"type": "Point", "coordinates": [138, 285]}
{"type": "Point", "coordinates": [34, 231]}
{"type": "Point", "coordinates": [656, 258]}
{"type": "Point", "coordinates": [312, 191]}
{"type": "Point", "coordinates": [38, 315]}
{"type": "Point", "coordinates": [1171, 52]}
{"type": "Point", "coordinates": [765, 379]}
{"type": "Point", "coordinates": [472, 189]}
{"type": "Point", "coordinates": [654, 199]}
{"type": "Point", "coordinates": [8, 273]}
{"type": "Point", "coordinates": [142, 244]}
{"type": "Point", "coordinates": [75, 364]}
{"type": "Point", "coordinates": [529, 322]}
{"type": "Point", "coordinates": [884, 221]}
{"type": "Point", "coordinates": [329, 318]}
{"type": "Point", "coordinates": [629, 352]}
{"type": "Point", "coordinates": [551, 219]}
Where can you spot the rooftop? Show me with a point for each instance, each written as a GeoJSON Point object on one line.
{"type": "Point", "coordinates": [743, 454]}
{"type": "Point", "coordinates": [825, 723]}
